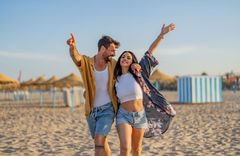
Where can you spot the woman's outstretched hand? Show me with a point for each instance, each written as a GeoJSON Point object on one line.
{"type": "Point", "coordinates": [167, 29]}
{"type": "Point", "coordinates": [157, 41]}
{"type": "Point", "coordinates": [72, 42]}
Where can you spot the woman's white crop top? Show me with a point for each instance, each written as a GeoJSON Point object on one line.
{"type": "Point", "coordinates": [127, 88]}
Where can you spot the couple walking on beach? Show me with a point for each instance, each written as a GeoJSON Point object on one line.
{"type": "Point", "coordinates": [122, 89]}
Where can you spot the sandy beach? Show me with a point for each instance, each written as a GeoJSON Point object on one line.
{"type": "Point", "coordinates": [197, 129]}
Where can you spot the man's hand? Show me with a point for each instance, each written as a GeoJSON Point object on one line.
{"type": "Point", "coordinates": [136, 67]}
{"type": "Point", "coordinates": [167, 29]}
{"type": "Point", "coordinates": [72, 42]}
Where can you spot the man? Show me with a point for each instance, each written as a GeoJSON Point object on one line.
{"type": "Point", "coordinates": [101, 102]}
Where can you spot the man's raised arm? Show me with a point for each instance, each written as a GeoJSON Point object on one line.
{"type": "Point", "coordinates": [76, 56]}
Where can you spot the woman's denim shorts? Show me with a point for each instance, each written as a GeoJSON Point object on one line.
{"type": "Point", "coordinates": [100, 120]}
{"type": "Point", "coordinates": [135, 119]}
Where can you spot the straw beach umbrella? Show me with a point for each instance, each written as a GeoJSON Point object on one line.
{"type": "Point", "coordinates": [39, 83]}
{"type": "Point", "coordinates": [7, 83]}
{"type": "Point", "coordinates": [163, 81]}
{"type": "Point", "coordinates": [4, 79]}
{"type": "Point", "coordinates": [157, 75]}
{"type": "Point", "coordinates": [69, 81]}
{"type": "Point", "coordinates": [46, 84]}
{"type": "Point", "coordinates": [26, 84]}
{"type": "Point", "coordinates": [51, 80]}
{"type": "Point", "coordinates": [33, 84]}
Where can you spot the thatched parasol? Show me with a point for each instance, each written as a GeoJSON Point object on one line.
{"type": "Point", "coordinates": [27, 84]}
{"type": "Point", "coordinates": [51, 80]}
{"type": "Point", "coordinates": [39, 83]}
{"type": "Point", "coordinates": [157, 75]}
{"type": "Point", "coordinates": [7, 83]}
{"type": "Point", "coordinates": [49, 83]}
{"type": "Point", "coordinates": [69, 81]}
{"type": "Point", "coordinates": [4, 79]}
{"type": "Point", "coordinates": [34, 84]}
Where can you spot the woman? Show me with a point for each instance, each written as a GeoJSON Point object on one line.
{"type": "Point", "coordinates": [143, 111]}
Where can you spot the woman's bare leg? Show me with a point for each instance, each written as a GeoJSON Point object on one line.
{"type": "Point", "coordinates": [124, 133]}
{"type": "Point", "coordinates": [137, 138]}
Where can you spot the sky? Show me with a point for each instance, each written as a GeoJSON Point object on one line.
{"type": "Point", "coordinates": [33, 34]}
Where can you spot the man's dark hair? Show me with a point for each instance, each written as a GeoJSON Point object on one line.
{"type": "Point", "coordinates": [106, 41]}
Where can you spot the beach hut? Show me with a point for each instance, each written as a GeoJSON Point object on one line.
{"type": "Point", "coordinates": [199, 89]}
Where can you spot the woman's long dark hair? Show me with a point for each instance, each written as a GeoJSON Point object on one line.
{"type": "Point", "coordinates": [118, 68]}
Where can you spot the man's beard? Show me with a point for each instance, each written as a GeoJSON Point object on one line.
{"type": "Point", "coordinates": [108, 58]}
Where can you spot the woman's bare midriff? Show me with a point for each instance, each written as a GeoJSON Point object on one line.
{"type": "Point", "coordinates": [133, 105]}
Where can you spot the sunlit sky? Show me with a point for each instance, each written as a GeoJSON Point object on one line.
{"type": "Point", "coordinates": [33, 34]}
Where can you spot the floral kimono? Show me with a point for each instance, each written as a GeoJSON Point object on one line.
{"type": "Point", "coordinates": [159, 111]}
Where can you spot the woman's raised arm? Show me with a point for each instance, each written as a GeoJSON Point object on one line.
{"type": "Point", "coordinates": [157, 41]}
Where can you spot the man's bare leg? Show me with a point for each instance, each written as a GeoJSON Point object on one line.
{"type": "Point", "coordinates": [101, 146]}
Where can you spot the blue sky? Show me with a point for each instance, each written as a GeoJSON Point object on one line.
{"type": "Point", "coordinates": [33, 34]}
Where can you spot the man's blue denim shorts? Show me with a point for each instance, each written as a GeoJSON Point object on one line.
{"type": "Point", "coordinates": [135, 119]}
{"type": "Point", "coordinates": [100, 120]}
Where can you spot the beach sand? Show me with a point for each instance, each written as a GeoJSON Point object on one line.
{"type": "Point", "coordinates": [197, 129]}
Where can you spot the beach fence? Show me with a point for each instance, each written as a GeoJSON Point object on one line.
{"type": "Point", "coordinates": [199, 89]}
{"type": "Point", "coordinates": [70, 97]}
{"type": "Point", "coordinates": [73, 96]}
